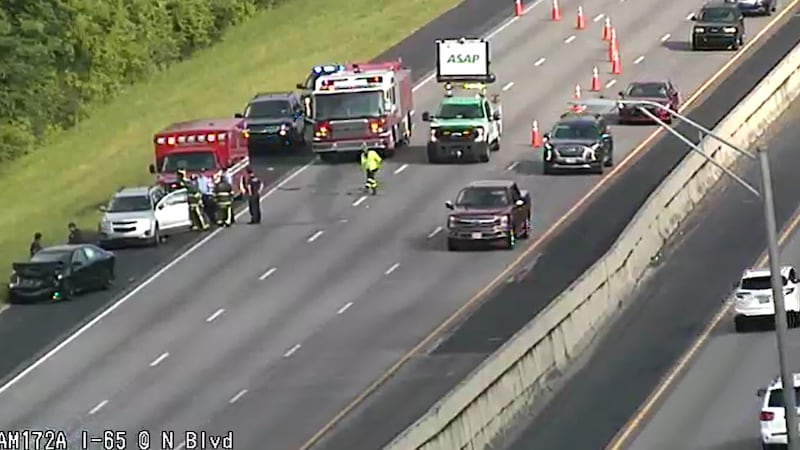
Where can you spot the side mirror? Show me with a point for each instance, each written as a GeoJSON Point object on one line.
{"type": "Point", "coordinates": [496, 115]}
{"type": "Point", "coordinates": [605, 136]}
{"type": "Point", "coordinates": [449, 205]}
{"type": "Point", "coordinates": [152, 168]}
{"type": "Point", "coordinates": [300, 86]}
{"type": "Point", "coordinates": [426, 116]}
{"type": "Point", "coordinates": [761, 392]}
{"type": "Point", "coordinates": [160, 206]}
{"type": "Point", "coordinates": [491, 78]}
{"type": "Point", "coordinates": [238, 116]}
{"type": "Point", "coordinates": [103, 208]}
{"type": "Point", "coordinates": [621, 94]}
{"type": "Point", "coordinates": [546, 136]}
{"type": "Point", "coordinates": [693, 18]}
{"type": "Point", "coordinates": [520, 202]}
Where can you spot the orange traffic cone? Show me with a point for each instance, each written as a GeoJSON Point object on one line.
{"type": "Point", "coordinates": [616, 64]}
{"type": "Point", "coordinates": [555, 12]}
{"type": "Point", "coordinates": [595, 80]}
{"type": "Point", "coordinates": [581, 24]}
{"type": "Point", "coordinates": [613, 44]}
{"type": "Point", "coordinates": [518, 10]}
{"type": "Point", "coordinates": [536, 136]}
{"type": "Point", "coordinates": [607, 30]}
{"type": "Point", "coordinates": [577, 95]}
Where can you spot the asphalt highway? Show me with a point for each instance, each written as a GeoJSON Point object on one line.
{"type": "Point", "coordinates": [714, 404]}
{"type": "Point", "coordinates": [269, 331]}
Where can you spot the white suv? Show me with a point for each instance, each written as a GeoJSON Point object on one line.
{"type": "Point", "coordinates": [754, 297]}
{"type": "Point", "coordinates": [143, 214]}
{"type": "Point", "coordinates": [772, 416]}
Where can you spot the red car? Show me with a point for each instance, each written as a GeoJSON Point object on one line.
{"type": "Point", "coordinates": [662, 92]}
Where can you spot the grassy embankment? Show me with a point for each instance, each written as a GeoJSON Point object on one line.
{"type": "Point", "coordinates": [65, 181]}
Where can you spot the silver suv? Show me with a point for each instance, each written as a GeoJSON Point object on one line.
{"type": "Point", "coordinates": [143, 214]}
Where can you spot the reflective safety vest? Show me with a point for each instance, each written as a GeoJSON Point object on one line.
{"type": "Point", "coordinates": [370, 160]}
{"type": "Point", "coordinates": [194, 196]}
{"type": "Point", "coordinates": [223, 192]}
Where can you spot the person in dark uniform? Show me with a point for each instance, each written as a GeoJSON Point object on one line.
{"type": "Point", "coordinates": [206, 186]}
{"type": "Point", "coordinates": [251, 186]}
{"type": "Point", "coordinates": [75, 234]}
{"type": "Point", "coordinates": [36, 244]}
{"type": "Point", "coordinates": [223, 197]}
{"type": "Point", "coordinates": [196, 205]}
{"type": "Point", "coordinates": [182, 180]}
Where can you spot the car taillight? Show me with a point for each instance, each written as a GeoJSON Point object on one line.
{"type": "Point", "coordinates": [322, 130]}
{"type": "Point", "coordinates": [376, 125]}
{"type": "Point", "coordinates": [766, 416]}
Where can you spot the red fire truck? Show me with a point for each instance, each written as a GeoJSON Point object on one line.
{"type": "Point", "coordinates": [369, 103]}
{"type": "Point", "coordinates": [213, 145]}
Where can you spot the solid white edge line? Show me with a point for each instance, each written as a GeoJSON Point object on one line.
{"type": "Point", "coordinates": [267, 274]}
{"type": "Point", "coordinates": [180, 257]}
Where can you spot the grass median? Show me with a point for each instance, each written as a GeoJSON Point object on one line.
{"type": "Point", "coordinates": [66, 180]}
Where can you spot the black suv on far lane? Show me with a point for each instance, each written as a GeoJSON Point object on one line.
{"type": "Point", "coordinates": [275, 119]}
{"type": "Point", "coordinates": [580, 141]}
{"type": "Point", "coordinates": [719, 25]}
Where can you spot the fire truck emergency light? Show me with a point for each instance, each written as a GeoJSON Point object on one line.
{"type": "Point", "coordinates": [190, 138]}
{"type": "Point", "coordinates": [328, 68]}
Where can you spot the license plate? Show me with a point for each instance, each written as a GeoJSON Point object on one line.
{"type": "Point", "coordinates": [763, 300]}
{"type": "Point", "coordinates": [27, 283]}
{"type": "Point", "coordinates": [476, 235]}
{"type": "Point", "coordinates": [570, 160]}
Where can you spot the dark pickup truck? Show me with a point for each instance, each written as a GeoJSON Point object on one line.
{"type": "Point", "coordinates": [487, 212]}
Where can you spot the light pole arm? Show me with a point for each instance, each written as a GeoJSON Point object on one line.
{"type": "Point", "coordinates": [697, 149]}
{"type": "Point", "coordinates": [697, 126]}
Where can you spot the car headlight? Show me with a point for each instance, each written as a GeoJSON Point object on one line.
{"type": "Point", "coordinates": [433, 135]}
{"type": "Point", "coordinates": [699, 30]}
{"type": "Point", "coordinates": [480, 134]}
{"type": "Point", "coordinates": [503, 221]}
{"type": "Point", "coordinates": [13, 280]}
{"type": "Point", "coordinates": [283, 129]}
{"type": "Point", "coordinates": [451, 221]}
{"type": "Point", "coordinates": [729, 29]}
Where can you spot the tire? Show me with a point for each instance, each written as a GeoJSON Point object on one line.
{"type": "Point", "coordinates": [598, 170]}
{"type": "Point", "coordinates": [526, 229]}
{"type": "Point", "coordinates": [432, 158]}
{"type": "Point", "coordinates": [739, 324]}
{"type": "Point", "coordinates": [453, 245]}
{"type": "Point", "coordinates": [329, 158]}
{"type": "Point", "coordinates": [610, 160]}
{"type": "Point", "coordinates": [485, 156]}
{"type": "Point", "coordinates": [792, 319]}
{"type": "Point", "coordinates": [694, 46]}
{"type": "Point", "coordinates": [67, 291]}
{"type": "Point", "coordinates": [155, 241]}
{"type": "Point", "coordinates": [496, 146]}
{"type": "Point", "coordinates": [109, 280]}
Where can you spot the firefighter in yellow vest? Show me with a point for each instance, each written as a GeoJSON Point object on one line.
{"type": "Point", "coordinates": [223, 197]}
{"type": "Point", "coordinates": [195, 198]}
{"type": "Point", "coordinates": [370, 164]}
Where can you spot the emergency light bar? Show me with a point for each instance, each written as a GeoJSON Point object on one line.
{"type": "Point", "coordinates": [191, 138]}
{"type": "Point", "coordinates": [327, 69]}
{"type": "Point", "coordinates": [480, 87]}
{"type": "Point", "coordinates": [352, 82]}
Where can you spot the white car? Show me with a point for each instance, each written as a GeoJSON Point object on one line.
{"type": "Point", "coordinates": [772, 416]}
{"type": "Point", "coordinates": [143, 214]}
{"type": "Point", "coordinates": [754, 297]}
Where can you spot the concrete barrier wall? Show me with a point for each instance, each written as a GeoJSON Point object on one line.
{"type": "Point", "coordinates": [488, 401]}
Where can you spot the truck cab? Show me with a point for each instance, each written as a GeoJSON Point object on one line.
{"type": "Point", "coordinates": [466, 126]}
{"type": "Point", "coordinates": [208, 146]}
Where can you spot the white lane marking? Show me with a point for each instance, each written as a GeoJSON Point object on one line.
{"type": "Point", "coordinates": [267, 274]}
{"type": "Point", "coordinates": [539, 62]}
{"type": "Point", "coordinates": [292, 351]}
{"type": "Point", "coordinates": [611, 83]}
{"type": "Point", "coordinates": [435, 231]}
{"type": "Point", "coordinates": [158, 360]}
{"type": "Point", "coordinates": [98, 407]}
{"type": "Point", "coordinates": [344, 308]}
{"type": "Point", "coordinates": [401, 168]}
{"type": "Point", "coordinates": [689, 17]}
{"type": "Point", "coordinates": [391, 269]}
{"type": "Point", "coordinates": [238, 395]}
{"type": "Point", "coordinates": [181, 446]}
{"type": "Point", "coordinates": [665, 37]}
{"type": "Point", "coordinates": [315, 236]}
{"type": "Point", "coordinates": [508, 85]}
{"type": "Point", "coordinates": [178, 259]}
{"type": "Point", "coordinates": [361, 200]}
{"type": "Point", "coordinates": [216, 314]}
{"type": "Point", "coordinates": [513, 165]}
{"type": "Point", "coordinates": [569, 39]}
{"type": "Point", "coordinates": [638, 60]}
{"type": "Point", "coordinates": [598, 17]}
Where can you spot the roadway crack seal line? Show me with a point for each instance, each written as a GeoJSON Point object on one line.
{"type": "Point", "coordinates": [499, 280]}
{"type": "Point", "coordinates": [677, 370]}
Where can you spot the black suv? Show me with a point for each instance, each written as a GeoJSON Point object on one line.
{"type": "Point", "coordinates": [580, 141]}
{"type": "Point", "coordinates": [275, 119]}
{"type": "Point", "coordinates": [719, 25]}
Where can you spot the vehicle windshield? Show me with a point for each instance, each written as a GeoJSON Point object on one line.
{"type": "Point", "coordinates": [460, 111]}
{"type": "Point", "coordinates": [719, 15]}
{"type": "Point", "coordinates": [758, 283]}
{"type": "Point", "coordinates": [46, 255]}
{"type": "Point", "coordinates": [483, 197]}
{"type": "Point", "coordinates": [575, 130]}
{"type": "Point", "coordinates": [129, 203]}
{"type": "Point", "coordinates": [647, 90]}
{"type": "Point", "coordinates": [348, 105]}
{"type": "Point", "coordinates": [190, 161]}
{"type": "Point", "coordinates": [776, 397]}
{"type": "Point", "coordinates": [268, 109]}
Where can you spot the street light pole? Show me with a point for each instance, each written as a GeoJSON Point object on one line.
{"type": "Point", "coordinates": [766, 194]}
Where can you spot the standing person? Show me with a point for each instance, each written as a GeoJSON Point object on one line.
{"type": "Point", "coordinates": [36, 244]}
{"type": "Point", "coordinates": [182, 180]}
{"type": "Point", "coordinates": [206, 186]}
{"type": "Point", "coordinates": [75, 234]}
{"type": "Point", "coordinates": [223, 197]}
{"type": "Point", "coordinates": [196, 205]}
{"type": "Point", "coordinates": [370, 164]}
{"type": "Point", "coordinates": [251, 186]}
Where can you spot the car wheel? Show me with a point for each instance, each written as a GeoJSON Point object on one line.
{"type": "Point", "coordinates": [526, 228]}
{"type": "Point", "coordinates": [67, 291]}
{"type": "Point", "coordinates": [597, 169]}
{"type": "Point", "coordinates": [432, 157]}
{"type": "Point", "coordinates": [793, 319]}
{"type": "Point", "coordinates": [510, 240]}
{"type": "Point", "coordinates": [453, 245]}
{"type": "Point", "coordinates": [109, 281]}
{"type": "Point", "coordinates": [694, 47]}
{"type": "Point", "coordinates": [739, 324]}
{"type": "Point", "coordinates": [156, 240]}
{"type": "Point", "coordinates": [484, 156]}
{"type": "Point", "coordinates": [610, 159]}
{"type": "Point", "coordinates": [496, 145]}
